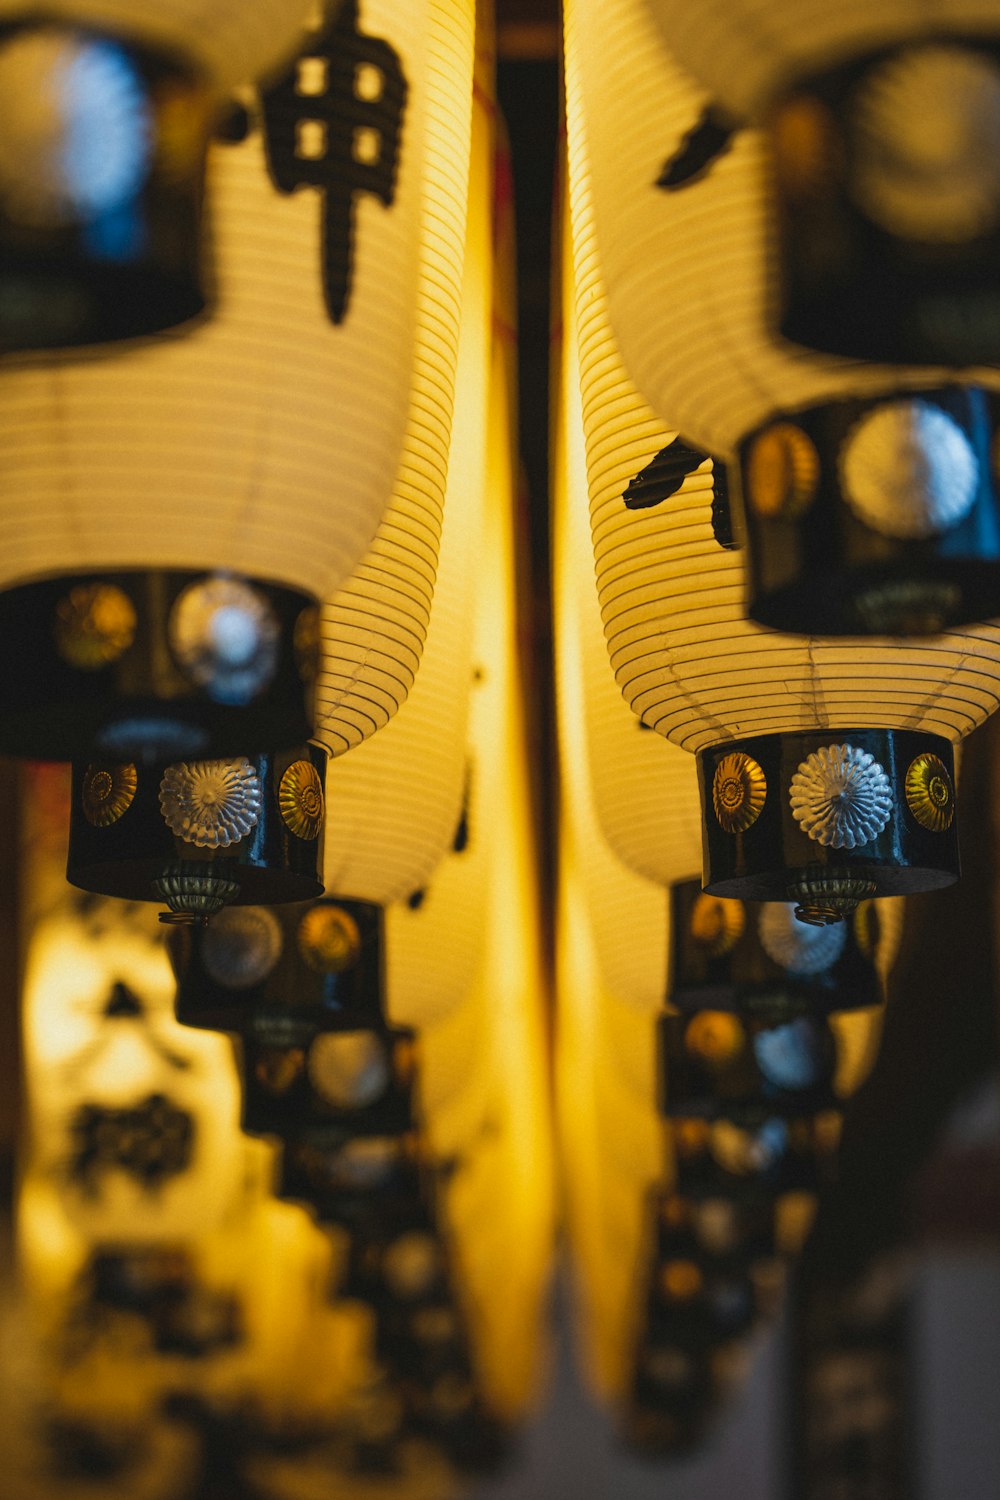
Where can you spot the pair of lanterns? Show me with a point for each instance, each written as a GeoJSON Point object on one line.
{"type": "Point", "coordinates": [826, 763]}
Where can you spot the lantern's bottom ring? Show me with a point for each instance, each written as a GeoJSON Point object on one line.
{"type": "Point", "coordinates": [825, 896]}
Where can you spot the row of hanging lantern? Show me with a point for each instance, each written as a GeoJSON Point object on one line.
{"type": "Point", "coordinates": [386, 1038]}
{"type": "Point", "coordinates": [718, 1039]}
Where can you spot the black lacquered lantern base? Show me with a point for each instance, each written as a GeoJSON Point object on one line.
{"type": "Point", "coordinates": [888, 252]}
{"type": "Point", "coordinates": [152, 666]}
{"type": "Point", "coordinates": [98, 248]}
{"type": "Point", "coordinates": [150, 833]}
{"type": "Point", "coordinates": [828, 818]}
{"type": "Point", "coordinates": [756, 959]}
{"type": "Point", "coordinates": [318, 966]}
{"type": "Point", "coordinates": [875, 517]}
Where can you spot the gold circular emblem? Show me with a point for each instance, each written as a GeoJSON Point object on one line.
{"type": "Point", "coordinates": [715, 1036]}
{"type": "Point", "coordinates": [108, 792]}
{"type": "Point", "coordinates": [681, 1280]}
{"type": "Point", "coordinates": [305, 642]}
{"type": "Point", "coordinates": [808, 155]}
{"type": "Point", "coordinates": [300, 800]}
{"type": "Point", "coordinates": [94, 624]}
{"type": "Point", "coordinates": [716, 924]}
{"type": "Point", "coordinates": [782, 472]}
{"type": "Point", "coordinates": [277, 1069]}
{"type": "Point", "coordinates": [930, 795]}
{"type": "Point", "coordinates": [329, 940]}
{"type": "Point", "coordinates": [739, 789]}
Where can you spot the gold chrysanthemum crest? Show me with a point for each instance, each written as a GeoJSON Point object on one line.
{"type": "Point", "coordinates": [739, 789]}
{"type": "Point", "coordinates": [108, 793]}
{"type": "Point", "coordinates": [300, 800]}
{"type": "Point", "coordinates": [930, 795]}
{"type": "Point", "coordinates": [782, 471]}
{"type": "Point", "coordinates": [717, 924]}
{"type": "Point", "coordinates": [329, 940]}
{"type": "Point", "coordinates": [94, 624]}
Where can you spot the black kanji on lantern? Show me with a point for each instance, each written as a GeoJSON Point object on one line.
{"type": "Point", "coordinates": [151, 1141]}
{"type": "Point", "coordinates": [334, 122]}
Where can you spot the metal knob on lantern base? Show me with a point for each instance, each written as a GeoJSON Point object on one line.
{"type": "Point", "coordinates": [875, 516]}
{"type": "Point", "coordinates": [888, 205]}
{"type": "Point", "coordinates": [139, 665]}
{"type": "Point", "coordinates": [200, 834]}
{"type": "Point", "coordinates": [828, 818]}
{"type": "Point", "coordinates": [102, 164]}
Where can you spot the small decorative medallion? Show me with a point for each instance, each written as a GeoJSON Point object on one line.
{"type": "Point", "coordinates": [793, 1056]}
{"type": "Point", "coordinates": [108, 792]}
{"type": "Point", "coordinates": [211, 803]}
{"type": "Point", "coordinates": [908, 470]}
{"type": "Point", "coordinates": [927, 142]}
{"type": "Point", "coordinates": [796, 946]}
{"type": "Point", "coordinates": [717, 924]}
{"type": "Point", "coordinates": [278, 1069]}
{"type": "Point", "coordinates": [95, 624]}
{"type": "Point", "coordinates": [305, 642]}
{"type": "Point", "coordinates": [411, 1265]}
{"type": "Point", "coordinates": [329, 940]}
{"type": "Point", "coordinates": [348, 1069]}
{"type": "Point", "coordinates": [300, 798]}
{"type": "Point", "coordinates": [930, 795]}
{"type": "Point", "coordinates": [782, 471]}
{"type": "Point", "coordinates": [680, 1280]}
{"type": "Point", "coordinates": [224, 635]}
{"type": "Point", "coordinates": [739, 789]}
{"type": "Point", "coordinates": [841, 797]}
{"type": "Point", "coordinates": [715, 1036]}
{"type": "Point", "coordinates": [808, 155]}
{"type": "Point", "coordinates": [241, 946]}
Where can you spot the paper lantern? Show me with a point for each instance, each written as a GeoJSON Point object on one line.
{"type": "Point", "coordinates": [781, 724]}
{"type": "Point", "coordinates": [867, 493]}
{"type": "Point", "coordinates": [172, 517]}
{"type": "Point", "coordinates": [883, 123]}
{"type": "Point", "coordinates": [107, 109]}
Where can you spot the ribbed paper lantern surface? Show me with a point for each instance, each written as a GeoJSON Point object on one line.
{"type": "Point", "coordinates": [267, 442]}
{"type": "Point", "coordinates": [869, 491]}
{"type": "Point", "coordinates": [105, 119]}
{"type": "Point", "coordinates": [699, 673]}
{"type": "Point", "coordinates": [642, 791]}
{"type": "Point", "coordinates": [395, 803]}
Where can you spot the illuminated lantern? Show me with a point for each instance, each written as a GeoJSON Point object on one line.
{"type": "Point", "coordinates": [107, 108]}
{"type": "Point", "coordinates": [826, 768]}
{"type": "Point", "coordinates": [867, 494]}
{"type": "Point", "coordinates": [172, 517]}
{"type": "Point", "coordinates": [883, 124]}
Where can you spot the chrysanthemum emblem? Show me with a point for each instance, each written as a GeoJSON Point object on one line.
{"type": "Point", "coordinates": [300, 799]}
{"type": "Point", "coordinates": [841, 797]}
{"type": "Point", "coordinates": [108, 792]}
{"type": "Point", "coordinates": [211, 803]}
{"type": "Point", "coordinates": [716, 924]}
{"type": "Point", "coordinates": [930, 795]}
{"type": "Point", "coordinates": [739, 789]}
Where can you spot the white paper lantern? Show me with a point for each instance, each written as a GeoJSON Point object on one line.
{"type": "Point", "coordinates": [685, 657]}
{"type": "Point", "coordinates": [267, 442]}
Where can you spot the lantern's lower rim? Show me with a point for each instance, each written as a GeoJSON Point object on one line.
{"type": "Point", "coordinates": [134, 880]}
{"type": "Point", "coordinates": [773, 885]}
{"type": "Point", "coordinates": [913, 597]}
{"type": "Point", "coordinates": [130, 685]}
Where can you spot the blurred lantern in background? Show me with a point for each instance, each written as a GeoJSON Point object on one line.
{"type": "Point", "coordinates": [867, 495]}
{"type": "Point", "coordinates": [826, 768]}
{"type": "Point", "coordinates": [173, 516]}
{"type": "Point", "coordinates": [107, 109]}
{"type": "Point", "coordinates": [883, 124]}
